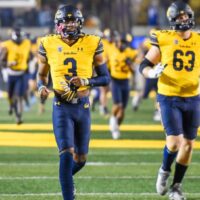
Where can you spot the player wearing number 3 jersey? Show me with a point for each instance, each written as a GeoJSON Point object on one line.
{"type": "Point", "coordinates": [176, 56]}
{"type": "Point", "coordinates": [70, 56]}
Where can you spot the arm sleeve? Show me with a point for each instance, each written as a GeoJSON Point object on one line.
{"type": "Point", "coordinates": [145, 63]}
{"type": "Point", "coordinates": [102, 78]}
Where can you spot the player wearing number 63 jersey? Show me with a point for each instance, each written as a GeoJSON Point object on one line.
{"type": "Point", "coordinates": [70, 57]}
{"type": "Point", "coordinates": [181, 76]}
{"type": "Point", "coordinates": [176, 56]}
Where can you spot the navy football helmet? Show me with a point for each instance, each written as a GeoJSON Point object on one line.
{"type": "Point", "coordinates": [66, 14]}
{"type": "Point", "coordinates": [17, 35]}
{"type": "Point", "coordinates": [126, 39]}
{"type": "Point", "coordinates": [175, 10]}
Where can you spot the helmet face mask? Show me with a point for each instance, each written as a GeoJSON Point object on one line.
{"type": "Point", "coordinates": [68, 22]}
{"type": "Point", "coordinates": [176, 10]}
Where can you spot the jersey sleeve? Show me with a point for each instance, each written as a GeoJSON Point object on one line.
{"type": "Point", "coordinates": [99, 48]}
{"type": "Point", "coordinates": [4, 44]}
{"type": "Point", "coordinates": [42, 50]}
{"type": "Point", "coordinates": [154, 38]}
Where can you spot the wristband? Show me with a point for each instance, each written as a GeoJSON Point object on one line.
{"type": "Point", "coordinates": [41, 88]}
{"type": "Point", "coordinates": [84, 82]}
{"type": "Point", "coordinates": [40, 83]}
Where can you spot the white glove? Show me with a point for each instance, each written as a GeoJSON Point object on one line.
{"type": "Point", "coordinates": [156, 71]}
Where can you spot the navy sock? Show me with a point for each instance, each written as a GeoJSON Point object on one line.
{"type": "Point", "coordinates": [77, 166]}
{"type": "Point", "coordinates": [179, 173]}
{"type": "Point", "coordinates": [168, 158]}
{"type": "Point", "coordinates": [65, 174]}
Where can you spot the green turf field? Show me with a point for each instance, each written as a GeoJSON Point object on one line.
{"type": "Point", "coordinates": [31, 173]}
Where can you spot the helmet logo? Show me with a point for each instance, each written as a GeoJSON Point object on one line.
{"type": "Point", "coordinates": [58, 14]}
{"type": "Point", "coordinates": [69, 15]}
{"type": "Point", "coordinates": [171, 12]}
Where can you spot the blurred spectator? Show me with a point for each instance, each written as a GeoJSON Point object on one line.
{"type": "Point", "coordinates": [45, 17]}
{"type": "Point", "coordinates": [31, 17]}
{"type": "Point", "coordinates": [6, 17]}
{"type": "Point", "coordinates": [153, 13]}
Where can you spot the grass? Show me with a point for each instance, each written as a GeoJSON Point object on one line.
{"type": "Point", "coordinates": [28, 173]}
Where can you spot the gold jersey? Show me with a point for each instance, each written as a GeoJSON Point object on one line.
{"type": "Point", "coordinates": [66, 61]}
{"type": "Point", "coordinates": [35, 46]}
{"type": "Point", "coordinates": [181, 75]}
{"type": "Point", "coordinates": [109, 48]}
{"type": "Point", "coordinates": [119, 67]}
{"type": "Point", "coordinates": [147, 43]}
{"type": "Point", "coordinates": [19, 53]}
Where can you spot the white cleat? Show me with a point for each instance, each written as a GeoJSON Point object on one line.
{"type": "Point", "coordinates": [175, 192]}
{"type": "Point", "coordinates": [157, 116]}
{"type": "Point", "coordinates": [113, 125]}
{"type": "Point", "coordinates": [116, 134]}
{"type": "Point", "coordinates": [135, 102]}
{"type": "Point", "coordinates": [161, 183]}
{"type": "Point", "coordinates": [114, 128]}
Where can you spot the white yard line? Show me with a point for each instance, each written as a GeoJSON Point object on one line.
{"type": "Point", "coordinates": [83, 177]}
{"type": "Point", "coordinates": [125, 153]}
{"type": "Point", "coordinates": [90, 194]}
{"type": "Point", "coordinates": [88, 164]}
{"type": "Point", "coordinates": [9, 164]}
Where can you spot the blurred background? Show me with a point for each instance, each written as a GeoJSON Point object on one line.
{"type": "Point", "coordinates": [123, 169]}
{"type": "Point", "coordinates": [135, 16]}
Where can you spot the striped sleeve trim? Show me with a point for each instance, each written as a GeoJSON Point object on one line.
{"type": "Point", "coordinates": [154, 39]}
{"type": "Point", "coordinates": [42, 50]}
{"type": "Point", "coordinates": [99, 49]}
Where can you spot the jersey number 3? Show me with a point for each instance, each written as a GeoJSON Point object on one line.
{"type": "Point", "coordinates": [73, 69]}
{"type": "Point", "coordinates": [178, 62]}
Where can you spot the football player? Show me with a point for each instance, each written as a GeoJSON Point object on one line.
{"type": "Point", "coordinates": [143, 89]}
{"type": "Point", "coordinates": [175, 55]}
{"type": "Point", "coordinates": [121, 69]}
{"type": "Point", "coordinates": [16, 52]}
{"type": "Point", "coordinates": [109, 37]}
{"type": "Point", "coordinates": [70, 57]}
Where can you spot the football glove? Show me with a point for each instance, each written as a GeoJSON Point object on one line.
{"type": "Point", "coordinates": [68, 94]}
{"type": "Point", "coordinates": [156, 71]}
{"type": "Point", "coordinates": [78, 82]}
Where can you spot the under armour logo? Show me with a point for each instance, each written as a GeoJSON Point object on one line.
{"type": "Point", "coordinates": [80, 49]}
{"type": "Point", "coordinates": [57, 103]}
{"type": "Point", "coordinates": [86, 105]}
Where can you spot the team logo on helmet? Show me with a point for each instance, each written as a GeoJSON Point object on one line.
{"type": "Point", "coordinates": [58, 14]}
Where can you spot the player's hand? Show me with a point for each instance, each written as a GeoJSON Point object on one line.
{"type": "Point", "coordinates": [68, 94]}
{"type": "Point", "coordinates": [12, 63]}
{"type": "Point", "coordinates": [43, 93]}
{"type": "Point", "coordinates": [156, 71]}
{"type": "Point", "coordinates": [78, 82]}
